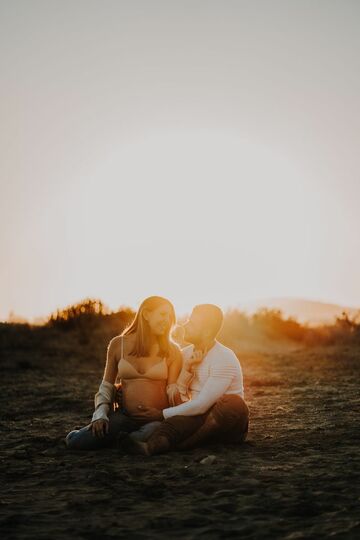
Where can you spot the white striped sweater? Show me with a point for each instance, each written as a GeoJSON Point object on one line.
{"type": "Point", "coordinates": [218, 374]}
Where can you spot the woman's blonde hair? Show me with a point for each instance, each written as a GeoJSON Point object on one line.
{"type": "Point", "coordinates": [140, 327]}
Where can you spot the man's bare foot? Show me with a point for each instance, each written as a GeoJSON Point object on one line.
{"type": "Point", "coordinates": [207, 430]}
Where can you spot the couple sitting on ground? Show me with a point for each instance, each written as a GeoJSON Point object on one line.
{"type": "Point", "coordinates": [169, 398]}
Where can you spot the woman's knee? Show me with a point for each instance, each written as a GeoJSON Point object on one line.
{"type": "Point", "coordinates": [78, 439]}
{"type": "Point", "coordinates": [70, 439]}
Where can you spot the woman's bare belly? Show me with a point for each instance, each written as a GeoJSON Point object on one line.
{"type": "Point", "coordinates": [145, 392]}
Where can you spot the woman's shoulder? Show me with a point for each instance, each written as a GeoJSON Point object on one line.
{"type": "Point", "coordinates": [116, 343]}
{"type": "Point", "coordinates": [175, 351]}
{"type": "Point", "coordinates": [174, 347]}
{"type": "Point", "coordinates": [114, 346]}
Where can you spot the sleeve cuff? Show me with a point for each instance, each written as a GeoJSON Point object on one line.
{"type": "Point", "coordinates": [101, 412]}
{"type": "Point", "coordinates": [167, 413]}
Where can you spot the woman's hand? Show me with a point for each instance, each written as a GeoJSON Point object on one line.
{"type": "Point", "coordinates": [195, 359]}
{"type": "Point", "coordinates": [173, 395]}
{"type": "Point", "coordinates": [100, 428]}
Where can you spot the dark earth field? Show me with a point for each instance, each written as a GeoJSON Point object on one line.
{"type": "Point", "coordinates": [297, 476]}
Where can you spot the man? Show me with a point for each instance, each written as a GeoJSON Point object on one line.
{"type": "Point", "coordinates": [210, 393]}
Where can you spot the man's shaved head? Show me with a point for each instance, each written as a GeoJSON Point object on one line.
{"type": "Point", "coordinates": [211, 317]}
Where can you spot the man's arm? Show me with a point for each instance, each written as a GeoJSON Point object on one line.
{"type": "Point", "coordinates": [212, 390]}
{"type": "Point", "coordinates": [221, 376]}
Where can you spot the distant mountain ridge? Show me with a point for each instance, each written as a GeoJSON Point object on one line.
{"type": "Point", "coordinates": [309, 311]}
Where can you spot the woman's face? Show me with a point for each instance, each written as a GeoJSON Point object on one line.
{"type": "Point", "coordinates": [159, 319]}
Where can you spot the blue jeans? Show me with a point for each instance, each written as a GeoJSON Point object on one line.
{"type": "Point", "coordinates": [83, 439]}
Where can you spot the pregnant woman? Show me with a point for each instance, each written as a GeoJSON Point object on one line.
{"type": "Point", "coordinates": [147, 365]}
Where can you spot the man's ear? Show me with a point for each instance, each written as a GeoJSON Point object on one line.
{"type": "Point", "coordinates": [145, 314]}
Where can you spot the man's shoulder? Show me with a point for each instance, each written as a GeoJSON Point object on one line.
{"type": "Point", "coordinates": [225, 353]}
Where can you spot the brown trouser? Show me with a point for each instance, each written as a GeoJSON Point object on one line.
{"type": "Point", "coordinates": [230, 412]}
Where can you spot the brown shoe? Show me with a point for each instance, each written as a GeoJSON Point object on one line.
{"type": "Point", "coordinates": [155, 445]}
{"type": "Point", "coordinates": [209, 429]}
{"type": "Point", "coordinates": [133, 447]}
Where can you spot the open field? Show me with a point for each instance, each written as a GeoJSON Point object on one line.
{"type": "Point", "coordinates": [297, 476]}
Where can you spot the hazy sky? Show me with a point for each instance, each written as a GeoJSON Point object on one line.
{"type": "Point", "coordinates": [205, 151]}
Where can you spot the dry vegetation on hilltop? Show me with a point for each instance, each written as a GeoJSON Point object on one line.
{"type": "Point", "coordinates": [83, 330]}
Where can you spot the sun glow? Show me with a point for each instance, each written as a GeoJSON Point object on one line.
{"type": "Point", "coordinates": [193, 216]}
{"type": "Point", "coordinates": [205, 217]}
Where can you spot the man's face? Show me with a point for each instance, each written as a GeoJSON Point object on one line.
{"type": "Point", "coordinates": [194, 328]}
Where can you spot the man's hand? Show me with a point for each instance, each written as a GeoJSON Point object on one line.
{"type": "Point", "coordinates": [149, 413]}
{"type": "Point", "coordinates": [194, 360]}
{"type": "Point", "coordinates": [100, 427]}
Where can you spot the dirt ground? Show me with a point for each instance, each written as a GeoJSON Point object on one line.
{"type": "Point", "coordinates": [297, 476]}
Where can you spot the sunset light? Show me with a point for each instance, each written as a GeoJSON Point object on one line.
{"type": "Point", "coordinates": [194, 216]}
{"type": "Point", "coordinates": [137, 162]}
{"type": "Point", "coordinates": [179, 269]}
